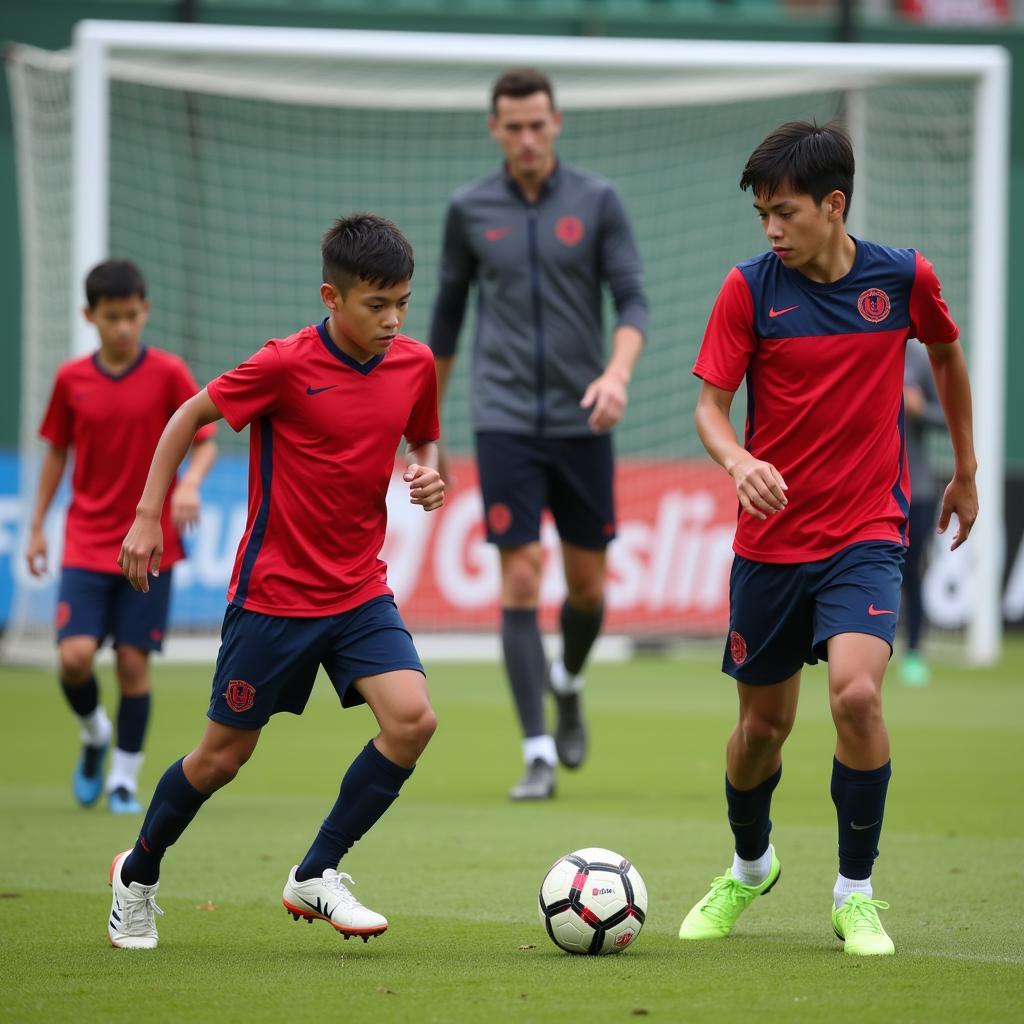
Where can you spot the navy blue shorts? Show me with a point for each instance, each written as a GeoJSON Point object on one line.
{"type": "Point", "coordinates": [782, 616]}
{"type": "Point", "coordinates": [521, 475]}
{"type": "Point", "coordinates": [103, 604]}
{"type": "Point", "coordinates": [268, 663]}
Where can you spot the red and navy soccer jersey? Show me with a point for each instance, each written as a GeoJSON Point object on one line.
{"type": "Point", "coordinates": [113, 423]}
{"type": "Point", "coordinates": [323, 434]}
{"type": "Point", "coordinates": [824, 371]}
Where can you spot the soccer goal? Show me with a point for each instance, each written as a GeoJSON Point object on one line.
{"type": "Point", "coordinates": [215, 157]}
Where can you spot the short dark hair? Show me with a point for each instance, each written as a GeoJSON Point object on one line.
{"type": "Point", "coordinates": [520, 82]}
{"type": "Point", "coordinates": [114, 279]}
{"type": "Point", "coordinates": [368, 248]}
{"type": "Point", "coordinates": [811, 158]}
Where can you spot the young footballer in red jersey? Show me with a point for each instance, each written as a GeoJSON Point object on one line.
{"type": "Point", "coordinates": [818, 328]}
{"type": "Point", "coordinates": [111, 407]}
{"type": "Point", "coordinates": [326, 409]}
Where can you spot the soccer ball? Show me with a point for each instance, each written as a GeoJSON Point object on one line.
{"type": "Point", "coordinates": [593, 901]}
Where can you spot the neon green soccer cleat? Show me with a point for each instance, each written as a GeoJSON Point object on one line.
{"type": "Point", "coordinates": [715, 915]}
{"type": "Point", "coordinates": [856, 923]}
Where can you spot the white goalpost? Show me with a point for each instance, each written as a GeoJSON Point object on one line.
{"type": "Point", "coordinates": [204, 151]}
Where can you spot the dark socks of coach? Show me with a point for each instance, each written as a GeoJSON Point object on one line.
{"type": "Point", "coordinates": [749, 815]}
{"type": "Point", "coordinates": [175, 803]}
{"type": "Point", "coordinates": [369, 788]}
{"type": "Point", "coordinates": [83, 698]}
{"type": "Point", "coordinates": [860, 806]}
{"type": "Point", "coordinates": [526, 666]}
{"type": "Point", "coordinates": [132, 718]}
{"type": "Point", "coordinates": [579, 631]}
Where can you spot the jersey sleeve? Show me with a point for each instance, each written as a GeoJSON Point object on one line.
{"type": "Point", "coordinates": [58, 422]}
{"type": "Point", "coordinates": [251, 390]}
{"type": "Point", "coordinates": [729, 340]}
{"type": "Point", "coordinates": [423, 425]}
{"type": "Point", "coordinates": [930, 321]}
{"type": "Point", "coordinates": [184, 387]}
{"type": "Point", "coordinates": [458, 268]}
{"type": "Point", "coordinates": [620, 264]}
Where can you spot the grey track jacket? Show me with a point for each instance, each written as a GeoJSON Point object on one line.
{"type": "Point", "coordinates": [539, 270]}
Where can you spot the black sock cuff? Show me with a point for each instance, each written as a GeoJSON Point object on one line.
{"type": "Point", "coordinates": [186, 792]}
{"type": "Point", "coordinates": [517, 615]}
{"type": "Point", "coordinates": [386, 765]}
{"type": "Point", "coordinates": [766, 787]}
{"type": "Point", "coordinates": [870, 777]}
{"type": "Point", "coordinates": [568, 608]}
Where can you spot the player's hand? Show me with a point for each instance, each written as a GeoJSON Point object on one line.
{"type": "Point", "coordinates": [141, 551]}
{"type": "Point", "coordinates": [606, 398]}
{"type": "Point", "coordinates": [185, 506]}
{"type": "Point", "coordinates": [35, 553]}
{"type": "Point", "coordinates": [426, 487]}
{"type": "Point", "coordinates": [759, 486]}
{"type": "Point", "coordinates": [960, 498]}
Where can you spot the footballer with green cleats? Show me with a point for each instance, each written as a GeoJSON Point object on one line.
{"type": "Point", "coordinates": [818, 328]}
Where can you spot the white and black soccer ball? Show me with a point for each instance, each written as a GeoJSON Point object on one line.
{"type": "Point", "coordinates": [593, 901]}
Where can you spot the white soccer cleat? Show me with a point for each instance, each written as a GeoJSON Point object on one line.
{"type": "Point", "coordinates": [327, 899]}
{"type": "Point", "coordinates": [132, 922]}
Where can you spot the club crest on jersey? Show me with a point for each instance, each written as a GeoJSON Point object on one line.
{"type": "Point", "coordinates": [874, 305]}
{"type": "Point", "coordinates": [569, 230]}
{"type": "Point", "coordinates": [737, 648]}
{"type": "Point", "coordinates": [240, 695]}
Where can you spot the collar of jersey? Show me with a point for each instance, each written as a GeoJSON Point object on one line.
{"type": "Point", "coordinates": [363, 368]}
{"type": "Point", "coordinates": [550, 182]}
{"type": "Point", "coordinates": [827, 286]}
{"type": "Point", "coordinates": [124, 373]}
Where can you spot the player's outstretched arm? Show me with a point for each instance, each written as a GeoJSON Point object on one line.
{"type": "Point", "coordinates": [143, 547]}
{"type": "Point", "coordinates": [426, 487]}
{"type": "Point", "coordinates": [54, 461]}
{"type": "Point", "coordinates": [759, 485]}
{"type": "Point", "coordinates": [949, 368]}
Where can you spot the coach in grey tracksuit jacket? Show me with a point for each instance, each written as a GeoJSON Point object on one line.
{"type": "Point", "coordinates": [539, 270]}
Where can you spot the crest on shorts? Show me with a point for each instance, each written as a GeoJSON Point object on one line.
{"type": "Point", "coordinates": [874, 305]}
{"type": "Point", "coordinates": [569, 230]}
{"type": "Point", "coordinates": [499, 517]}
{"type": "Point", "coordinates": [737, 648]}
{"type": "Point", "coordinates": [63, 614]}
{"type": "Point", "coordinates": [240, 695]}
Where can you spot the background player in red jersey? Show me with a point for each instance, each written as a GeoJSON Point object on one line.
{"type": "Point", "coordinates": [818, 326]}
{"type": "Point", "coordinates": [327, 409]}
{"type": "Point", "coordinates": [110, 407]}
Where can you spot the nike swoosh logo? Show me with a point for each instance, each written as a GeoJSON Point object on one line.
{"type": "Point", "coordinates": [497, 234]}
{"type": "Point", "coordinates": [773, 312]}
{"type": "Point", "coordinates": [316, 391]}
{"type": "Point", "coordinates": [742, 824]}
{"type": "Point", "coordinates": [872, 610]}
{"type": "Point", "coordinates": [861, 828]}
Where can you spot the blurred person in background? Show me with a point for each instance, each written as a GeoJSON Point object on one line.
{"type": "Point", "coordinates": [540, 239]}
{"type": "Point", "coordinates": [110, 408]}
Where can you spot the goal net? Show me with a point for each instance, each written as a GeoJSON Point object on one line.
{"type": "Point", "coordinates": [215, 158]}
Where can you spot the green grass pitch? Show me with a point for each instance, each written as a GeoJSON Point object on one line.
{"type": "Point", "coordinates": [456, 868]}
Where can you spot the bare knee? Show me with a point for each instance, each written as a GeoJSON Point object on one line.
{"type": "Point", "coordinates": [587, 595]}
{"type": "Point", "coordinates": [857, 707]}
{"type": "Point", "coordinates": [209, 770]}
{"type": "Point", "coordinates": [520, 577]}
{"type": "Point", "coordinates": [76, 660]}
{"type": "Point", "coordinates": [133, 671]}
{"type": "Point", "coordinates": [764, 731]}
{"type": "Point", "coordinates": [410, 732]}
